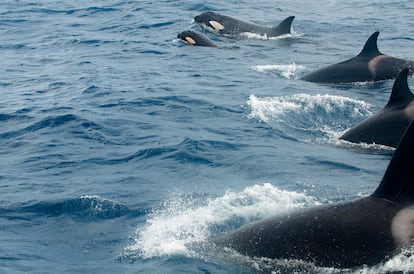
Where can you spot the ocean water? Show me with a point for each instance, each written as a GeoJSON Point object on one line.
{"type": "Point", "coordinates": [123, 150]}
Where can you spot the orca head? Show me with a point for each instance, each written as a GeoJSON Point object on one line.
{"type": "Point", "coordinates": [188, 37]}
{"type": "Point", "coordinates": [195, 39]}
{"type": "Point", "coordinates": [210, 20]}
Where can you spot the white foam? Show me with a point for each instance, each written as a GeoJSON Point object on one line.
{"type": "Point", "coordinates": [288, 71]}
{"type": "Point", "coordinates": [183, 221]}
{"type": "Point", "coordinates": [180, 222]}
{"type": "Point", "coordinates": [307, 103]}
{"type": "Point", "coordinates": [400, 263]}
{"type": "Point", "coordinates": [404, 261]}
{"type": "Point", "coordinates": [330, 115]}
{"type": "Point", "coordinates": [373, 146]}
{"type": "Point", "coordinates": [252, 35]}
{"type": "Point", "coordinates": [284, 36]}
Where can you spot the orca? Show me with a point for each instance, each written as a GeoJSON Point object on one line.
{"type": "Point", "coordinates": [230, 26]}
{"type": "Point", "coordinates": [369, 65]}
{"type": "Point", "coordinates": [388, 125]}
{"type": "Point", "coordinates": [365, 231]}
{"type": "Point", "coordinates": [195, 39]}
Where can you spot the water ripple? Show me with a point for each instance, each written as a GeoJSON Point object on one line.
{"type": "Point", "coordinates": [87, 208]}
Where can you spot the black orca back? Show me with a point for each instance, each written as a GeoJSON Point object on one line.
{"type": "Point", "coordinates": [370, 48]}
{"type": "Point", "coordinates": [397, 185]}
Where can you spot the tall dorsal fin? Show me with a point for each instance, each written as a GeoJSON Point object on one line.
{"type": "Point", "coordinates": [370, 48]}
{"type": "Point", "coordinates": [284, 27]}
{"type": "Point", "coordinates": [397, 185]}
{"type": "Point", "coordinates": [400, 90]}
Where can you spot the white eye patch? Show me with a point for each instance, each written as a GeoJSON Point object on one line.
{"type": "Point", "coordinates": [190, 40]}
{"type": "Point", "coordinates": [216, 25]}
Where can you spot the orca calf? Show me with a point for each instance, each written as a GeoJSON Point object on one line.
{"type": "Point", "coordinates": [388, 125]}
{"type": "Point", "coordinates": [369, 65]}
{"type": "Point", "coordinates": [230, 26]}
{"type": "Point", "coordinates": [365, 231]}
{"type": "Point", "coordinates": [195, 39]}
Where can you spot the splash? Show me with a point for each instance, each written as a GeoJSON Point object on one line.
{"type": "Point", "coordinates": [365, 146]}
{"type": "Point", "coordinates": [307, 103]}
{"type": "Point", "coordinates": [325, 116]}
{"type": "Point", "coordinates": [183, 221]}
{"type": "Point", "coordinates": [252, 35]}
{"type": "Point", "coordinates": [402, 262]}
{"type": "Point", "coordinates": [288, 71]}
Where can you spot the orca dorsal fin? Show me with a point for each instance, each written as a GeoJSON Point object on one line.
{"type": "Point", "coordinates": [400, 90]}
{"type": "Point", "coordinates": [397, 185]}
{"type": "Point", "coordinates": [284, 27]}
{"type": "Point", "coordinates": [370, 48]}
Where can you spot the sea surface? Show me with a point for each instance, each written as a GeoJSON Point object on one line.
{"type": "Point", "coordinates": [123, 150]}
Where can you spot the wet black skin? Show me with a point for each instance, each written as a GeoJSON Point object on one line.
{"type": "Point", "coordinates": [388, 125]}
{"type": "Point", "coordinates": [195, 39]}
{"type": "Point", "coordinates": [369, 65]}
{"type": "Point", "coordinates": [234, 27]}
{"type": "Point", "coordinates": [364, 231]}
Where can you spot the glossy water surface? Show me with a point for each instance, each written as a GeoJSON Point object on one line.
{"type": "Point", "coordinates": [123, 149]}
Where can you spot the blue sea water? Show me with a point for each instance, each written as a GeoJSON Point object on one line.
{"type": "Point", "coordinates": [123, 150]}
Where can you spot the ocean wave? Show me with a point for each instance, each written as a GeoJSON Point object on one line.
{"type": "Point", "coordinates": [177, 107]}
{"type": "Point", "coordinates": [142, 154]}
{"type": "Point", "coordinates": [48, 122]}
{"type": "Point", "coordinates": [201, 152]}
{"type": "Point", "coordinates": [84, 208]}
{"type": "Point", "coordinates": [13, 117]}
{"type": "Point", "coordinates": [67, 124]}
{"type": "Point", "coordinates": [402, 38]}
{"type": "Point", "coordinates": [16, 46]}
{"type": "Point", "coordinates": [331, 164]}
{"type": "Point", "coordinates": [156, 25]}
{"type": "Point", "coordinates": [151, 101]}
{"type": "Point", "coordinates": [309, 118]}
{"type": "Point", "coordinates": [53, 122]}
{"type": "Point", "coordinates": [80, 12]}
{"type": "Point", "coordinates": [196, 152]}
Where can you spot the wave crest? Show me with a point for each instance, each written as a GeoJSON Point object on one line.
{"type": "Point", "coordinates": [182, 221]}
{"type": "Point", "coordinates": [323, 117]}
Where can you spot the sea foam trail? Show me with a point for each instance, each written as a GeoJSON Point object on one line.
{"type": "Point", "coordinates": [183, 221]}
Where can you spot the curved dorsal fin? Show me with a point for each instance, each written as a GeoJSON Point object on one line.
{"type": "Point", "coordinates": [284, 27]}
{"type": "Point", "coordinates": [370, 48]}
{"type": "Point", "coordinates": [397, 185]}
{"type": "Point", "coordinates": [400, 90]}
